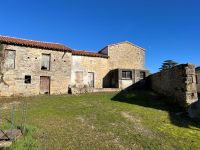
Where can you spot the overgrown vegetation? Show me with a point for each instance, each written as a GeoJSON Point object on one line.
{"type": "Point", "coordinates": [167, 64]}
{"type": "Point", "coordinates": [133, 120]}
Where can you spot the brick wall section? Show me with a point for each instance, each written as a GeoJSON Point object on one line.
{"type": "Point", "coordinates": [126, 56]}
{"type": "Point", "coordinates": [179, 83]}
{"type": "Point", "coordinates": [28, 62]}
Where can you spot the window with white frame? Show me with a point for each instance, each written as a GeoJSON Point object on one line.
{"type": "Point", "coordinates": [126, 74]}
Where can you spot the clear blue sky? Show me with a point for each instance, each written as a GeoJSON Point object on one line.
{"type": "Point", "coordinates": [167, 29]}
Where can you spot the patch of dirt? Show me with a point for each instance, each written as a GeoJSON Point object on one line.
{"type": "Point", "coordinates": [137, 125]}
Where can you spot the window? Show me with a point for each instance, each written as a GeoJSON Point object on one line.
{"type": "Point", "coordinates": [9, 59]}
{"type": "Point", "coordinates": [126, 75]}
{"type": "Point", "coordinates": [197, 79]}
{"type": "Point", "coordinates": [142, 75]}
{"type": "Point", "coordinates": [79, 76]}
{"type": "Point", "coordinates": [45, 65]}
{"type": "Point", "coordinates": [27, 79]}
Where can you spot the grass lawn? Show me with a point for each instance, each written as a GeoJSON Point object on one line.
{"type": "Point", "coordinates": [134, 120]}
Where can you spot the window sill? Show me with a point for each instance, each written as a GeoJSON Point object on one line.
{"type": "Point", "coordinates": [126, 79]}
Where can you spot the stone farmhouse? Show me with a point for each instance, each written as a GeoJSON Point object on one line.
{"type": "Point", "coordinates": [33, 67]}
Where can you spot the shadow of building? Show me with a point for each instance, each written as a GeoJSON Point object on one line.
{"type": "Point", "coordinates": [143, 96]}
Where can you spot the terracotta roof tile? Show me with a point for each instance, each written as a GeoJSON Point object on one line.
{"type": "Point", "coordinates": [86, 53]}
{"type": "Point", "coordinates": [31, 43]}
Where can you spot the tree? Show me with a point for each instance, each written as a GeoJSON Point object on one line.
{"type": "Point", "coordinates": [167, 64]}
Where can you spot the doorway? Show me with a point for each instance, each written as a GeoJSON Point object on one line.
{"type": "Point", "coordinates": [91, 79]}
{"type": "Point", "coordinates": [44, 85]}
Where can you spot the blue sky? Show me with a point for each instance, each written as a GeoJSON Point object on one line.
{"type": "Point", "coordinates": [167, 29]}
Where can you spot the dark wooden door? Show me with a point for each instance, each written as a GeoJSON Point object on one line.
{"type": "Point", "coordinates": [44, 85]}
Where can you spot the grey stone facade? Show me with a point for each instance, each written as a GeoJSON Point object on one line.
{"type": "Point", "coordinates": [198, 79]}
{"type": "Point", "coordinates": [179, 83]}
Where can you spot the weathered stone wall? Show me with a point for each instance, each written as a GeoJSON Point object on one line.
{"type": "Point", "coordinates": [28, 62]}
{"type": "Point", "coordinates": [126, 56]}
{"type": "Point", "coordinates": [63, 67]}
{"type": "Point", "coordinates": [179, 83]}
{"type": "Point", "coordinates": [97, 65]}
{"type": "Point", "coordinates": [198, 80]}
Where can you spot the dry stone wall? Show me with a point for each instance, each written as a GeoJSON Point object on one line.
{"type": "Point", "coordinates": [178, 83]}
{"type": "Point", "coordinates": [198, 80]}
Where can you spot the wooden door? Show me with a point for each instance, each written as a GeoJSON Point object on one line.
{"type": "Point", "coordinates": [91, 79]}
{"type": "Point", "coordinates": [44, 85]}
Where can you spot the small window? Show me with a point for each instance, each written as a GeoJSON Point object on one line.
{"type": "Point", "coordinates": [126, 75]}
{"type": "Point", "coordinates": [45, 65]}
{"type": "Point", "coordinates": [27, 79]}
{"type": "Point", "coordinates": [142, 75]}
{"type": "Point", "coordinates": [9, 59]}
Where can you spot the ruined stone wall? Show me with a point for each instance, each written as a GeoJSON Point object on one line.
{"type": "Point", "coordinates": [178, 83]}
{"type": "Point", "coordinates": [126, 56]}
{"type": "Point", "coordinates": [28, 62]}
{"type": "Point", "coordinates": [97, 65]}
{"type": "Point", "coordinates": [198, 80]}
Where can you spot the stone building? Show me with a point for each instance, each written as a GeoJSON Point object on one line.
{"type": "Point", "coordinates": [33, 67]}
{"type": "Point", "coordinates": [198, 78]}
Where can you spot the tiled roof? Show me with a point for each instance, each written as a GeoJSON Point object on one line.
{"type": "Point", "coordinates": [31, 43]}
{"type": "Point", "coordinates": [86, 53]}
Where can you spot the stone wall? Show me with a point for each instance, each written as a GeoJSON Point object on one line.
{"type": "Point", "coordinates": [198, 80]}
{"type": "Point", "coordinates": [126, 56]}
{"type": "Point", "coordinates": [64, 65]}
{"type": "Point", "coordinates": [28, 62]}
{"type": "Point", "coordinates": [178, 83]}
{"type": "Point", "coordinates": [97, 65]}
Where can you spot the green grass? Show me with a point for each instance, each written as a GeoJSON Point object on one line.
{"type": "Point", "coordinates": [106, 121]}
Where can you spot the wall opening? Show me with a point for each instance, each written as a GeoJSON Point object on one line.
{"type": "Point", "coordinates": [27, 79]}
{"type": "Point", "coordinates": [44, 85]}
{"type": "Point", "coordinates": [10, 59]}
{"type": "Point", "coordinates": [91, 79]}
{"type": "Point", "coordinates": [126, 74]}
{"type": "Point", "coordinates": [45, 65]}
{"type": "Point", "coordinates": [79, 76]}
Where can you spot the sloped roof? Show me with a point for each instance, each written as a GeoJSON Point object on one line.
{"type": "Point", "coordinates": [121, 43]}
{"type": "Point", "coordinates": [33, 43]}
{"type": "Point", "coordinates": [87, 53]}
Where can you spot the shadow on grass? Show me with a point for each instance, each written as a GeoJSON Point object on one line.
{"type": "Point", "coordinates": [145, 98]}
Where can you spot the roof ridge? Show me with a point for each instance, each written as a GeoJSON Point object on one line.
{"type": "Point", "coordinates": [33, 43]}
{"type": "Point", "coordinates": [30, 40]}
{"type": "Point", "coordinates": [88, 53]}
{"type": "Point", "coordinates": [120, 43]}
{"type": "Point", "coordinates": [126, 42]}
